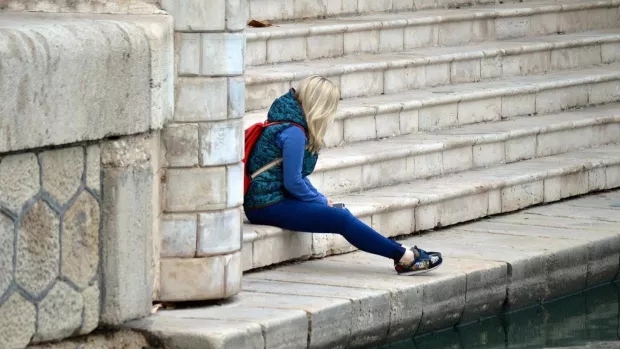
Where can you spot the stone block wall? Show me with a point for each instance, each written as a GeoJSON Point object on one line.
{"type": "Point", "coordinates": [50, 226]}
{"type": "Point", "coordinates": [84, 100]}
{"type": "Point", "coordinates": [202, 149]}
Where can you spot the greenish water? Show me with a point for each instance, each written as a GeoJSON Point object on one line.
{"type": "Point", "coordinates": [585, 320]}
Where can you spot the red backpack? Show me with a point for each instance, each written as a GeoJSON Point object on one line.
{"type": "Point", "coordinates": [252, 134]}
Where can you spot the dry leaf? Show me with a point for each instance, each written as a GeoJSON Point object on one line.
{"type": "Point", "coordinates": [155, 308]}
{"type": "Point", "coordinates": [259, 24]}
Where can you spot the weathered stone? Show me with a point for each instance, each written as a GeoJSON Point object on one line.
{"type": "Point", "coordinates": [89, 6]}
{"type": "Point", "coordinates": [197, 15]}
{"type": "Point", "coordinates": [195, 189]}
{"type": "Point", "coordinates": [181, 145]}
{"type": "Point", "coordinates": [127, 151]}
{"type": "Point", "coordinates": [17, 322]}
{"type": "Point", "coordinates": [93, 168]}
{"type": "Point", "coordinates": [220, 143]}
{"type": "Point", "coordinates": [219, 232]}
{"type": "Point", "coordinates": [124, 338]}
{"type": "Point", "coordinates": [330, 317]}
{"type": "Point", "coordinates": [60, 313]}
{"type": "Point", "coordinates": [41, 51]}
{"type": "Point", "coordinates": [222, 54]}
{"type": "Point", "coordinates": [188, 53]}
{"type": "Point", "coordinates": [234, 191]}
{"type": "Point", "coordinates": [38, 248]}
{"type": "Point", "coordinates": [200, 99]}
{"type": "Point", "coordinates": [178, 235]}
{"type": "Point", "coordinates": [282, 328]}
{"type": "Point", "coordinates": [127, 223]}
{"type": "Point", "coordinates": [7, 238]}
{"type": "Point", "coordinates": [234, 273]}
{"type": "Point", "coordinates": [80, 240]}
{"type": "Point", "coordinates": [371, 308]}
{"type": "Point", "coordinates": [19, 180]}
{"type": "Point", "coordinates": [91, 309]}
{"type": "Point", "coordinates": [62, 171]}
{"type": "Point", "coordinates": [184, 279]}
{"type": "Point", "coordinates": [202, 333]}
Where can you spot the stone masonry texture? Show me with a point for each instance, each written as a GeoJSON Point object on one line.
{"type": "Point", "coordinates": [201, 222]}
{"type": "Point", "coordinates": [49, 245]}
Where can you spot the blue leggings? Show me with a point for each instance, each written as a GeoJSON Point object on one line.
{"type": "Point", "coordinates": [292, 214]}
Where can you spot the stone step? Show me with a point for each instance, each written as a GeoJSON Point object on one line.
{"type": "Point", "coordinates": [367, 165]}
{"type": "Point", "coordinates": [389, 73]}
{"type": "Point", "coordinates": [279, 11]}
{"type": "Point", "coordinates": [356, 300]}
{"type": "Point", "coordinates": [421, 205]}
{"type": "Point", "coordinates": [371, 118]}
{"type": "Point", "coordinates": [396, 32]}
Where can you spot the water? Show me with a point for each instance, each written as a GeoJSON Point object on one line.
{"type": "Point", "coordinates": [586, 320]}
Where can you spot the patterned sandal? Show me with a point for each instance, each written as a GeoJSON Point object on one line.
{"type": "Point", "coordinates": [424, 262]}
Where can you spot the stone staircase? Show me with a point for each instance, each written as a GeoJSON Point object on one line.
{"type": "Point", "coordinates": [448, 115]}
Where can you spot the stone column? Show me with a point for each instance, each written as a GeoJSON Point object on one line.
{"type": "Point", "coordinates": [201, 223]}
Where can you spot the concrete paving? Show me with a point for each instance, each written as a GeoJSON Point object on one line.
{"type": "Point", "coordinates": [356, 299]}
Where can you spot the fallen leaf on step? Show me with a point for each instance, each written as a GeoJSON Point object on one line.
{"type": "Point", "coordinates": [259, 24]}
{"type": "Point", "coordinates": [155, 308]}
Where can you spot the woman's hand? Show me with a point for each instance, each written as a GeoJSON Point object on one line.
{"type": "Point", "coordinates": [330, 203]}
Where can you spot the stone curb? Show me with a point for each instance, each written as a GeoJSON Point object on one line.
{"type": "Point", "coordinates": [355, 300]}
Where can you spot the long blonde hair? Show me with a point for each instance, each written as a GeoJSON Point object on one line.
{"type": "Point", "coordinates": [319, 100]}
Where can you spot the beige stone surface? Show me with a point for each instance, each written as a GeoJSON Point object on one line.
{"type": "Point", "coordinates": [181, 145]}
{"type": "Point", "coordinates": [116, 102]}
{"type": "Point", "coordinates": [62, 172]}
{"type": "Point", "coordinates": [38, 248]}
{"type": "Point", "coordinates": [195, 189]}
{"type": "Point", "coordinates": [197, 15]}
{"type": "Point", "coordinates": [19, 180]}
{"type": "Point", "coordinates": [88, 6]}
{"type": "Point", "coordinates": [7, 252]}
{"type": "Point", "coordinates": [119, 339]}
{"type": "Point", "coordinates": [92, 303]}
{"type": "Point", "coordinates": [93, 168]}
{"type": "Point", "coordinates": [59, 313]}
{"type": "Point", "coordinates": [220, 143]}
{"type": "Point", "coordinates": [178, 235]}
{"type": "Point", "coordinates": [184, 279]}
{"type": "Point", "coordinates": [219, 232]}
{"type": "Point", "coordinates": [80, 240]}
{"type": "Point", "coordinates": [127, 151]}
{"type": "Point", "coordinates": [17, 321]}
{"type": "Point", "coordinates": [127, 223]}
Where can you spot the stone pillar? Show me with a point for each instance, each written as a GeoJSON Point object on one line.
{"type": "Point", "coordinates": [201, 223]}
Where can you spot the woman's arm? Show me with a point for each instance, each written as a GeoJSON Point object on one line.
{"type": "Point", "coordinates": [293, 143]}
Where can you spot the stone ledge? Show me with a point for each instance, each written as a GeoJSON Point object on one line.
{"type": "Point", "coordinates": [75, 77]}
{"type": "Point", "coordinates": [427, 204]}
{"type": "Point", "coordinates": [504, 263]}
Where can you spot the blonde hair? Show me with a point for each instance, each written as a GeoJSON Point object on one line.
{"type": "Point", "coordinates": [319, 100]}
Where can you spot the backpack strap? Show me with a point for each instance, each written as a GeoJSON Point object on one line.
{"type": "Point", "coordinates": [277, 161]}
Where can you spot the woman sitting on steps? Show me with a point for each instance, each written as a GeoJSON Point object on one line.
{"type": "Point", "coordinates": [281, 195]}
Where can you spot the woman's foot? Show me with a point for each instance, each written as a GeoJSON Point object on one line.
{"type": "Point", "coordinates": [423, 263]}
